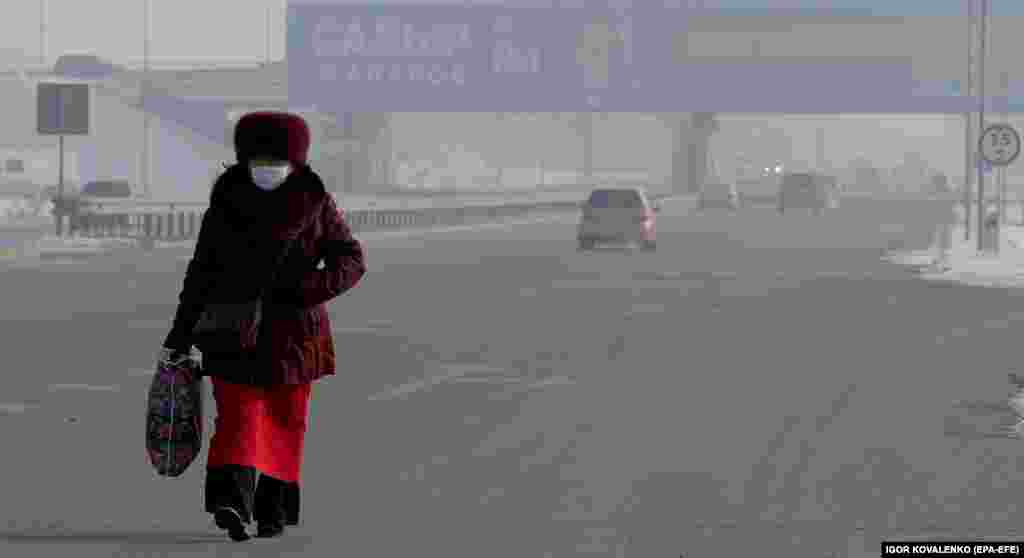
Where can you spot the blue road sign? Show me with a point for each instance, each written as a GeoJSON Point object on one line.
{"type": "Point", "coordinates": [62, 108]}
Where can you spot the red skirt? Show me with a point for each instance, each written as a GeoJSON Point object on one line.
{"type": "Point", "coordinates": [260, 427]}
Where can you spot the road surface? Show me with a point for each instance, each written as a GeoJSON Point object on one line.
{"type": "Point", "coordinates": [761, 383]}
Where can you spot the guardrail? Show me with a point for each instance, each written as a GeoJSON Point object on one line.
{"type": "Point", "coordinates": [175, 221]}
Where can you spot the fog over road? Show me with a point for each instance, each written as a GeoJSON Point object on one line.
{"type": "Point", "coordinates": [760, 382]}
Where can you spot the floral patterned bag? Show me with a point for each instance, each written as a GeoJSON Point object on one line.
{"type": "Point", "coordinates": [174, 415]}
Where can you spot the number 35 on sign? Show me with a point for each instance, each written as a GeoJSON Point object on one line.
{"type": "Point", "coordinates": [999, 144]}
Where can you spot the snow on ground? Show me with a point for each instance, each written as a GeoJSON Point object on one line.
{"type": "Point", "coordinates": [13, 209]}
{"type": "Point", "coordinates": [966, 265]}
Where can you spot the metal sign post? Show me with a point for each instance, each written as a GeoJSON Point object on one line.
{"type": "Point", "coordinates": [62, 109]}
{"type": "Point", "coordinates": [999, 145]}
{"type": "Point", "coordinates": [59, 229]}
{"type": "Point", "coordinates": [969, 158]}
{"type": "Point", "coordinates": [1005, 84]}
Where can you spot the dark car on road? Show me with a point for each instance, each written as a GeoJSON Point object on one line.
{"type": "Point", "coordinates": [808, 190]}
{"type": "Point", "coordinates": [96, 192]}
{"type": "Point", "coordinates": [719, 195]}
{"type": "Point", "coordinates": [618, 216]}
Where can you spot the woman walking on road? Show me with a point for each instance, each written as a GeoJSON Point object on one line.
{"type": "Point", "coordinates": [272, 234]}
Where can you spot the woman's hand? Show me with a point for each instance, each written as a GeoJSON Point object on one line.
{"type": "Point", "coordinates": [174, 355]}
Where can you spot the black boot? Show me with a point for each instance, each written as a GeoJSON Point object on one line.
{"type": "Point", "coordinates": [269, 530]}
{"type": "Point", "coordinates": [276, 505]}
{"type": "Point", "coordinates": [231, 521]}
{"type": "Point", "coordinates": [229, 495]}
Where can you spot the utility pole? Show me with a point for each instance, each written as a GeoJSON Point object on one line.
{"type": "Point", "coordinates": [981, 122]}
{"type": "Point", "coordinates": [145, 162]}
{"type": "Point", "coordinates": [43, 17]}
{"type": "Point", "coordinates": [588, 148]}
{"type": "Point", "coordinates": [820, 147]}
{"type": "Point", "coordinates": [266, 37]}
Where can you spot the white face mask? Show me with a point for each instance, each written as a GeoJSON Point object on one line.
{"type": "Point", "coordinates": [269, 177]}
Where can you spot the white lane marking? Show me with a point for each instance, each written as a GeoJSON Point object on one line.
{"type": "Point", "coordinates": [84, 387]}
{"type": "Point", "coordinates": [450, 372]}
{"type": "Point", "coordinates": [552, 381]}
{"type": "Point", "coordinates": [15, 408]}
{"type": "Point", "coordinates": [483, 380]}
{"type": "Point", "coordinates": [402, 390]}
{"type": "Point", "coordinates": [646, 309]}
{"type": "Point", "coordinates": [996, 324]}
{"type": "Point", "coordinates": [461, 369]}
{"type": "Point", "coordinates": [36, 264]}
{"type": "Point", "coordinates": [579, 284]}
{"type": "Point", "coordinates": [354, 330]}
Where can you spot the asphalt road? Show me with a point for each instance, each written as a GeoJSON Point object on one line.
{"type": "Point", "coordinates": [761, 383]}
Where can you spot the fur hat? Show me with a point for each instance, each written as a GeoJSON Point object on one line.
{"type": "Point", "coordinates": [277, 135]}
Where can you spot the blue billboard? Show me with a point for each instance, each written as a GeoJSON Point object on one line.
{"type": "Point", "coordinates": [346, 58]}
{"type": "Point", "coordinates": [883, 8]}
{"type": "Point", "coordinates": [351, 58]}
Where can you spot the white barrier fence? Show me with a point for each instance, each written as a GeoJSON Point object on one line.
{"type": "Point", "coordinates": [180, 221]}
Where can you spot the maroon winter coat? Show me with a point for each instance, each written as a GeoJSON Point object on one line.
{"type": "Point", "coordinates": [242, 234]}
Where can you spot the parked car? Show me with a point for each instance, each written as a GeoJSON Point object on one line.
{"type": "Point", "coordinates": [719, 195]}
{"type": "Point", "coordinates": [619, 216]}
{"type": "Point", "coordinates": [107, 189]}
{"type": "Point", "coordinates": [98, 191]}
{"type": "Point", "coordinates": [808, 190]}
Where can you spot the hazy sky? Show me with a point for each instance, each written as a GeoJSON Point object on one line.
{"type": "Point", "coordinates": [230, 29]}
{"type": "Point", "coordinates": [220, 29]}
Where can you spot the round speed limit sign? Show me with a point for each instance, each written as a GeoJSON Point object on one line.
{"type": "Point", "coordinates": [999, 145]}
